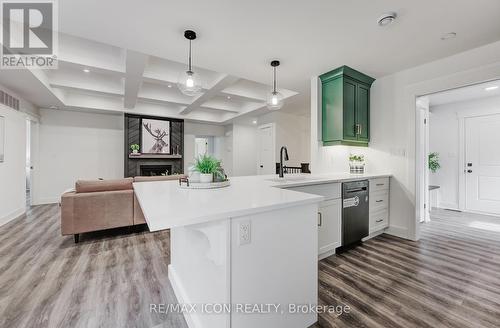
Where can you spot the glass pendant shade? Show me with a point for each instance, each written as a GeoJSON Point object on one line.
{"type": "Point", "coordinates": [189, 83]}
{"type": "Point", "coordinates": [274, 100]}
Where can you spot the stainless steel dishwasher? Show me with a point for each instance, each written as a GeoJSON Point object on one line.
{"type": "Point", "coordinates": [355, 212]}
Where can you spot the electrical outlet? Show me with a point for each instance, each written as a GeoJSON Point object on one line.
{"type": "Point", "coordinates": [245, 232]}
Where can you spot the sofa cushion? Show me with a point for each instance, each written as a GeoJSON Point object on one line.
{"type": "Point", "coordinates": [159, 178]}
{"type": "Point", "coordinates": [83, 186]}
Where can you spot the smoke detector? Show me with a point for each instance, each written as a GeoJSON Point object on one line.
{"type": "Point", "coordinates": [387, 19]}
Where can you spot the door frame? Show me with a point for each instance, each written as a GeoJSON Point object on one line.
{"type": "Point", "coordinates": [421, 165]}
{"type": "Point", "coordinates": [413, 92]}
{"type": "Point", "coordinates": [462, 185]}
{"type": "Point", "coordinates": [273, 132]}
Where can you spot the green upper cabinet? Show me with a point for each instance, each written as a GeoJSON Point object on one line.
{"type": "Point", "coordinates": [345, 107]}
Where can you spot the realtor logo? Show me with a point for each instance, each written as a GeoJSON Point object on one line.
{"type": "Point", "coordinates": [29, 34]}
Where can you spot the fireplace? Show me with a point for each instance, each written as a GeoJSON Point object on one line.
{"type": "Point", "coordinates": [155, 170]}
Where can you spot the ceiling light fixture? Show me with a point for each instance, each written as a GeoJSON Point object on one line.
{"type": "Point", "coordinates": [228, 97]}
{"type": "Point", "coordinates": [275, 99]}
{"type": "Point", "coordinates": [188, 81]}
{"type": "Point", "coordinates": [491, 88]}
{"type": "Point", "coordinates": [387, 18]}
{"type": "Point", "coordinates": [448, 36]}
{"type": "Point", "coordinates": [169, 86]}
{"type": "Point", "coordinates": [86, 70]}
{"type": "Point", "coordinates": [254, 121]}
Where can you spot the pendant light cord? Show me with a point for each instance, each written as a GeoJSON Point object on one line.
{"type": "Point", "coordinates": [189, 59]}
{"type": "Point", "coordinates": [274, 80]}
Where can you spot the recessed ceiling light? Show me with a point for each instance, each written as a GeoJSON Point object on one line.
{"type": "Point", "coordinates": [387, 18]}
{"type": "Point", "coordinates": [254, 121]}
{"type": "Point", "coordinates": [491, 88]}
{"type": "Point", "coordinates": [169, 86]}
{"type": "Point", "coordinates": [448, 36]}
{"type": "Point", "coordinates": [86, 70]}
{"type": "Point", "coordinates": [228, 97]}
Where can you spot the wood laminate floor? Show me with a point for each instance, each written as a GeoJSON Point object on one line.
{"type": "Point", "coordinates": [109, 279]}
{"type": "Point", "coordinates": [450, 278]}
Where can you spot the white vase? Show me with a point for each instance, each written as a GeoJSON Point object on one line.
{"type": "Point", "coordinates": [135, 151]}
{"type": "Point", "coordinates": [206, 178]}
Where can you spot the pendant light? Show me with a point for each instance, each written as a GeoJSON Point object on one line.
{"type": "Point", "coordinates": [274, 99]}
{"type": "Point", "coordinates": [188, 81]}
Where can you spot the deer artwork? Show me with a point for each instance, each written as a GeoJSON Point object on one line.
{"type": "Point", "coordinates": [158, 135]}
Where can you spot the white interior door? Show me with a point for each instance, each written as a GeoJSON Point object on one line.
{"type": "Point", "coordinates": [482, 164]}
{"type": "Point", "coordinates": [267, 163]}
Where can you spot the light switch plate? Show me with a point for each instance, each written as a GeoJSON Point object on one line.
{"type": "Point", "coordinates": [245, 232]}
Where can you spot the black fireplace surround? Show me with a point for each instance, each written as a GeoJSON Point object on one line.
{"type": "Point", "coordinates": [155, 170]}
{"type": "Point", "coordinates": [141, 166]}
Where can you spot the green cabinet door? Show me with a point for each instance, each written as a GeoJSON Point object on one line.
{"type": "Point", "coordinates": [350, 132]}
{"type": "Point", "coordinates": [363, 112]}
{"type": "Point", "coordinates": [332, 110]}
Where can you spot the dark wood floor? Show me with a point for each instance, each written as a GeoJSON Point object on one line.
{"type": "Point", "coordinates": [451, 278]}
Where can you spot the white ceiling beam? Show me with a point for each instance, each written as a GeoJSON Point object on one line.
{"type": "Point", "coordinates": [220, 84]}
{"type": "Point", "coordinates": [135, 64]}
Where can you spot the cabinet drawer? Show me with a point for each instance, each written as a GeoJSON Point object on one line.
{"type": "Point", "coordinates": [379, 184]}
{"type": "Point", "coordinates": [379, 220]}
{"type": "Point", "coordinates": [379, 200]}
{"type": "Point", "coordinates": [327, 190]}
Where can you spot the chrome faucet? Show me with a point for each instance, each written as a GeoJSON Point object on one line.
{"type": "Point", "coordinates": [281, 171]}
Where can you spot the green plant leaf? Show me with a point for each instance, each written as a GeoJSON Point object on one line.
{"type": "Point", "coordinates": [434, 162]}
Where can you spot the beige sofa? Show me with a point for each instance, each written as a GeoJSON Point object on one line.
{"type": "Point", "coordinates": [102, 204]}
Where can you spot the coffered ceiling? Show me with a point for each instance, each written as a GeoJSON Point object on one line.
{"type": "Point", "coordinates": [93, 76]}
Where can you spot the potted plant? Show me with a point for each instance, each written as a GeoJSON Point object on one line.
{"type": "Point", "coordinates": [208, 167]}
{"type": "Point", "coordinates": [356, 164]}
{"type": "Point", "coordinates": [434, 162]}
{"type": "Point", "coordinates": [135, 148]}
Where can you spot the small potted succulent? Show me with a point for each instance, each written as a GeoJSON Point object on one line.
{"type": "Point", "coordinates": [135, 148]}
{"type": "Point", "coordinates": [356, 164]}
{"type": "Point", "coordinates": [208, 167]}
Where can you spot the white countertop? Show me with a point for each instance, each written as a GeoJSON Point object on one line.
{"type": "Point", "coordinates": [165, 205]}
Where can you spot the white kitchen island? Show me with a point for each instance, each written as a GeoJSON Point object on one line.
{"type": "Point", "coordinates": [252, 245]}
{"type": "Point", "coordinates": [249, 247]}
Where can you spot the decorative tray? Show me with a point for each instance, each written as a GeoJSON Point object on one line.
{"type": "Point", "coordinates": [186, 184]}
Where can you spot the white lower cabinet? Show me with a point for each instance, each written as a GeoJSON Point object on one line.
{"type": "Point", "coordinates": [329, 226]}
{"type": "Point", "coordinates": [329, 216]}
{"type": "Point", "coordinates": [379, 204]}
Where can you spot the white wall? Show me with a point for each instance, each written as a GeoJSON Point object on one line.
{"type": "Point", "coordinates": [444, 139]}
{"type": "Point", "coordinates": [12, 170]}
{"type": "Point", "coordinates": [192, 130]}
{"type": "Point", "coordinates": [292, 131]}
{"type": "Point", "coordinates": [244, 150]}
{"type": "Point", "coordinates": [393, 123]}
{"type": "Point", "coordinates": [77, 145]}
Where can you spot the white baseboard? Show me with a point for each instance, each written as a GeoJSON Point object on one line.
{"type": "Point", "coordinates": [375, 234]}
{"type": "Point", "coordinates": [12, 215]}
{"type": "Point", "coordinates": [326, 254]}
{"type": "Point", "coordinates": [450, 206]}
{"type": "Point", "coordinates": [401, 232]}
{"type": "Point", "coordinates": [181, 296]}
{"type": "Point", "coordinates": [46, 200]}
